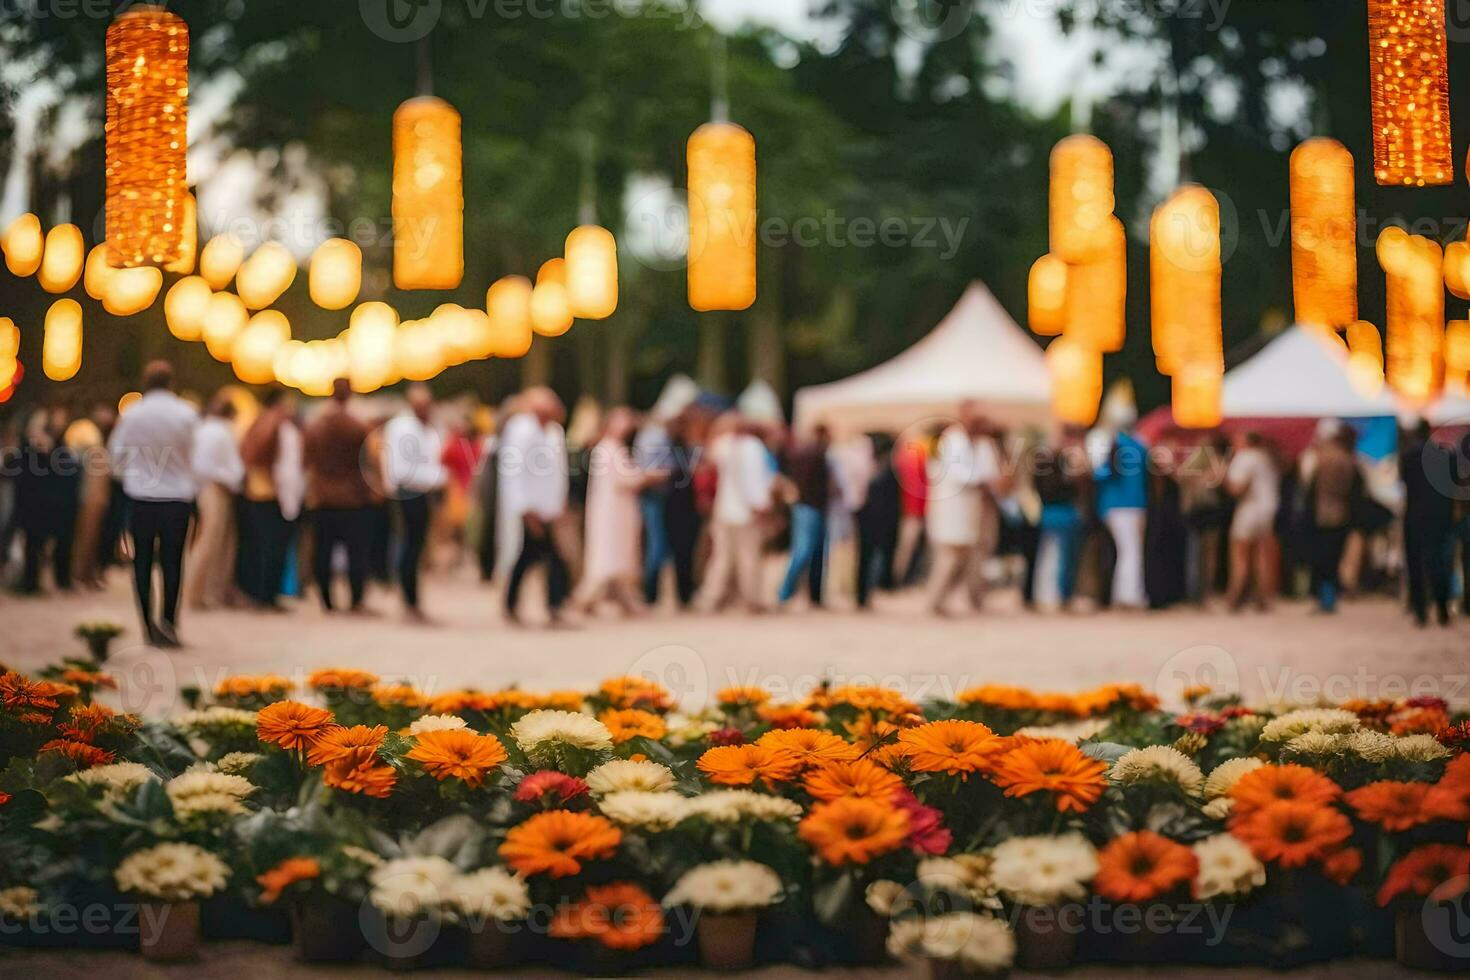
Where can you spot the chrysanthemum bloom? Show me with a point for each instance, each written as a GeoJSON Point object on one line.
{"type": "Point", "coordinates": [1455, 736]}
{"type": "Point", "coordinates": [341, 678]}
{"type": "Point", "coordinates": [19, 693]}
{"type": "Point", "coordinates": [742, 765]}
{"type": "Point", "coordinates": [366, 779]}
{"type": "Point", "coordinates": [85, 756]}
{"type": "Point", "coordinates": [1420, 721]}
{"type": "Point", "coordinates": [742, 696]}
{"type": "Point", "coordinates": [1343, 865]}
{"type": "Point", "coordinates": [355, 745]}
{"type": "Point", "coordinates": [866, 697]}
{"type": "Point", "coordinates": [397, 695]}
{"type": "Point", "coordinates": [630, 723]}
{"type": "Point", "coordinates": [1143, 865]}
{"type": "Point", "coordinates": [636, 692]}
{"type": "Point", "coordinates": [1052, 766]}
{"type": "Point", "coordinates": [1423, 870]}
{"type": "Point", "coordinates": [85, 720]}
{"type": "Point", "coordinates": [859, 778]}
{"type": "Point", "coordinates": [291, 724]}
{"type": "Point", "coordinates": [556, 842]}
{"type": "Point", "coordinates": [811, 746]}
{"type": "Point", "coordinates": [1391, 804]}
{"type": "Point", "coordinates": [252, 685]}
{"type": "Point", "coordinates": [549, 788]}
{"type": "Point", "coordinates": [1293, 833]}
{"type": "Point", "coordinates": [458, 754]}
{"type": "Point", "coordinates": [1274, 784]}
{"type": "Point", "coordinates": [854, 831]}
{"type": "Point", "coordinates": [999, 696]}
{"type": "Point", "coordinates": [286, 874]}
{"type": "Point", "coordinates": [954, 747]}
{"type": "Point", "coordinates": [619, 915]}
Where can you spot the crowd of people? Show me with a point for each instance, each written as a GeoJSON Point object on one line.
{"type": "Point", "coordinates": [231, 510]}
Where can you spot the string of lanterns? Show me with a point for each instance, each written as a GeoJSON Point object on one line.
{"type": "Point", "coordinates": [1184, 276]}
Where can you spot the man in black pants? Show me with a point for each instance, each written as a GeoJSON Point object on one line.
{"type": "Point", "coordinates": [1424, 466]}
{"type": "Point", "coordinates": [532, 466]}
{"type": "Point", "coordinates": [413, 470]}
{"type": "Point", "coordinates": [151, 449]}
{"type": "Point", "coordinates": [339, 494]}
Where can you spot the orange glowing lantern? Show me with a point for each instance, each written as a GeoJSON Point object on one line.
{"type": "Point", "coordinates": [253, 353]}
{"type": "Point", "coordinates": [1415, 334]}
{"type": "Point", "coordinates": [551, 310]}
{"type": "Point", "coordinates": [552, 270]}
{"type": "Point", "coordinates": [1324, 256]}
{"type": "Point", "coordinates": [146, 136]}
{"type": "Point", "coordinates": [1195, 397]}
{"type": "Point", "coordinates": [336, 274]}
{"type": "Point", "coordinates": [61, 265]}
{"type": "Point", "coordinates": [1076, 381]}
{"type": "Point", "coordinates": [220, 260]}
{"type": "Point", "coordinates": [224, 318]}
{"type": "Point", "coordinates": [1081, 198]}
{"type": "Point", "coordinates": [1457, 268]}
{"type": "Point", "coordinates": [9, 338]}
{"type": "Point", "coordinates": [1184, 264]}
{"type": "Point", "coordinates": [418, 354]}
{"type": "Point", "coordinates": [370, 346]}
{"type": "Point", "coordinates": [428, 195]}
{"type": "Point", "coordinates": [130, 291]}
{"type": "Point", "coordinates": [184, 307]}
{"type": "Point", "coordinates": [1046, 290]}
{"type": "Point", "coordinates": [1457, 347]}
{"type": "Point", "coordinates": [61, 344]}
{"type": "Point", "coordinates": [1097, 293]}
{"type": "Point", "coordinates": [508, 304]}
{"type": "Point", "coordinates": [264, 276]}
{"type": "Point", "coordinates": [592, 273]}
{"type": "Point", "coordinates": [722, 217]}
{"type": "Point", "coordinates": [23, 244]}
{"type": "Point", "coordinates": [189, 246]}
{"type": "Point", "coordinates": [1408, 56]}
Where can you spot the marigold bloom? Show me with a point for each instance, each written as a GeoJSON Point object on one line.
{"type": "Point", "coordinates": [549, 786]}
{"type": "Point", "coordinates": [1143, 865]}
{"type": "Point", "coordinates": [865, 697]}
{"type": "Point", "coordinates": [251, 685]}
{"type": "Point", "coordinates": [85, 720]}
{"type": "Point", "coordinates": [620, 915]}
{"type": "Point", "coordinates": [457, 753]}
{"type": "Point", "coordinates": [397, 695]}
{"type": "Point", "coordinates": [742, 765]}
{"type": "Point", "coordinates": [1292, 833]}
{"type": "Point", "coordinates": [1273, 784]}
{"type": "Point", "coordinates": [291, 724]}
{"type": "Point", "coordinates": [20, 693]}
{"type": "Point", "coordinates": [343, 678]}
{"type": "Point", "coordinates": [811, 746]}
{"type": "Point", "coordinates": [854, 831]}
{"type": "Point", "coordinates": [636, 692]}
{"type": "Point", "coordinates": [1391, 804]}
{"type": "Point", "coordinates": [1002, 696]}
{"type": "Point", "coordinates": [556, 842]}
{"type": "Point", "coordinates": [859, 778]}
{"type": "Point", "coordinates": [1423, 870]}
{"type": "Point", "coordinates": [89, 678]}
{"type": "Point", "coordinates": [788, 716]}
{"type": "Point", "coordinates": [355, 746]}
{"type": "Point", "coordinates": [85, 756]}
{"type": "Point", "coordinates": [627, 724]}
{"type": "Point", "coordinates": [742, 696]}
{"type": "Point", "coordinates": [286, 874]}
{"type": "Point", "coordinates": [366, 779]}
{"type": "Point", "coordinates": [954, 747]}
{"type": "Point", "coordinates": [1053, 766]}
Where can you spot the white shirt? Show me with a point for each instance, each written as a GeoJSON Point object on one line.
{"type": "Point", "coordinates": [1253, 474]}
{"type": "Point", "coordinates": [215, 457]}
{"type": "Point", "coordinates": [413, 455]}
{"type": "Point", "coordinates": [532, 465]}
{"type": "Point", "coordinates": [288, 473]}
{"type": "Point", "coordinates": [745, 480]}
{"type": "Point", "coordinates": [152, 448]}
{"type": "Point", "coordinates": [960, 468]}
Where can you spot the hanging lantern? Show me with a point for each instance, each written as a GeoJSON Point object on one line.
{"type": "Point", "coordinates": [1076, 381]}
{"type": "Point", "coordinates": [23, 244]}
{"type": "Point", "coordinates": [1097, 293]}
{"type": "Point", "coordinates": [220, 260]}
{"type": "Point", "coordinates": [551, 310]}
{"type": "Point", "coordinates": [146, 136]}
{"type": "Point", "coordinates": [370, 346]}
{"type": "Point", "coordinates": [1415, 333]}
{"type": "Point", "coordinates": [1046, 292]}
{"type": "Point", "coordinates": [131, 291]}
{"type": "Point", "coordinates": [592, 273]}
{"type": "Point", "coordinates": [253, 353]}
{"type": "Point", "coordinates": [61, 345]}
{"type": "Point", "coordinates": [1184, 266]}
{"type": "Point", "coordinates": [9, 338]}
{"type": "Point", "coordinates": [455, 330]}
{"type": "Point", "coordinates": [1363, 338]}
{"type": "Point", "coordinates": [9, 368]}
{"type": "Point", "coordinates": [428, 195]}
{"type": "Point", "coordinates": [189, 244]}
{"type": "Point", "coordinates": [1410, 92]}
{"type": "Point", "coordinates": [1195, 398]}
{"type": "Point", "coordinates": [336, 274]}
{"type": "Point", "coordinates": [224, 318]}
{"type": "Point", "coordinates": [722, 218]}
{"type": "Point", "coordinates": [552, 270]}
{"type": "Point", "coordinates": [1324, 228]}
{"type": "Point", "coordinates": [128, 400]}
{"type": "Point", "coordinates": [1457, 268]}
{"type": "Point", "coordinates": [264, 276]}
{"type": "Point", "coordinates": [184, 307]}
{"type": "Point", "coordinates": [508, 304]}
{"type": "Point", "coordinates": [417, 354]}
{"type": "Point", "coordinates": [1457, 346]}
{"type": "Point", "coordinates": [96, 272]}
{"type": "Point", "coordinates": [1081, 198]}
{"type": "Point", "coordinates": [61, 264]}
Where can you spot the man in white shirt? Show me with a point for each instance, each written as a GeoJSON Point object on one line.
{"type": "Point", "coordinates": [964, 469]}
{"type": "Point", "coordinates": [532, 466]}
{"type": "Point", "coordinates": [414, 475]}
{"type": "Point", "coordinates": [219, 471]}
{"type": "Point", "coordinates": [742, 496]}
{"type": "Point", "coordinates": [152, 449]}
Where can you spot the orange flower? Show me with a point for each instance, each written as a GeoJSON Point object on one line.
{"type": "Point", "coordinates": [636, 692]}
{"type": "Point", "coordinates": [955, 747]}
{"type": "Point", "coordinates": [620, 915]}
{"type": "Point", "coordinates": [457, 753]}
{"type": "Point", "coordinates": [850, 830]}
{"type": "Point", "coordinates": [454, 702]}
{"type": "Point", "coordinates": [1420, 721]}
{"type": "Point", "coordinates": [1143, 865]}
{"type": "Point", "coordinates": [556, 842]}
{"type": "Point", "coordinates": [999, 696]}
{"type": "Point", "coordinates": [85, 756]}
{"type": "Point", "coordinates": [742, 765]}
{"type": "Point", "coordinates": [249, 685]}
{"type": "Point", "coordinates": [1343, 866]}
{"type": "Point", "coordinates": [397, 695]}
{"type": "Point", "coordinates": [811, 746]}
{"type": "Point", "coordinates": [19, 693]}
{"type": "Point", "coordinates": [1423, 870]}
{"type": "Point", "coordinates": [366, 778]}
{"type": "Point", "coordinates": [860, 778]}
{"type": "Point", "coordinates": [561, 701]}
{"type": "Point", "coordinates": [627, 724]}
{"type": "Point", "coordinates": [342, 678]}
{"type": "Point", "coordinates": [1293, 833]}
{"type": "Point", "coordinates": [85, 721]}
{"type": "Point", "coordinates": [1053, 766]}
{"type": "Point", "coordinates": [788, 716]}
{"type": "Point", "coordinates": [291, 724]}
{"type": "Point", "coordinates": [89, 678]}
{"type": "Point", "coordinates": [742, 696]}
{"type": "Point", "coordinates": [1273, 784]}
{"type": "Point", "coordinates": [865, 697]}
{"type": "Point", "coordinates": [1390, 804]}
{"type": "Point", "coordinates": [286, 874]}
{"type": "Point", "coordinates": [1449, 799]}
{"type": "Point", "coordinates": [353, 746]}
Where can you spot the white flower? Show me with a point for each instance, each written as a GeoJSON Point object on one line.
{"type": "Point", "coordinates": [1317, 743]}
{"type": "Point", "coordinates": [684, 729]}
{"type": "Point", "coordinates": [648, 811]}
{"type": "Point", "coordinates": [1043, 870]}
{"type": "Point", "coordinates": [490, 893]}
{"type": "Point", "coordinates": [214, 720]}
{"type": "Point", "coordinates": [738, 805]}
{"type": "Point", "coordinates": [238, 763]}
{"type": "Point", "coordinates": [436, 723]}
{"type": "Point", "coordinates": [206, 791]}
{"type": "Point", "coordinates": [726, 886]}
{"type": "Point", "coordinates": [406, 887]}
{"type": "Point", "coordinates": [18, 902]}
{"type": "Point", "coordinates": [541, 733]}
{"type": "Point", "coordinates": [1226, 867]}
{"type": "Point", "coordinates": [1158, 764]}
{"type": "Point", "coordinates": [625, 774]}
{"type": "Point", "coordinates": [117, 779]}
{"type": "Point", "coordinates": [1419, 748]}
{"type": "Point", "coordinates": [1224, 776]}
{"type": "Point", "coordinates": [1371, 746]}
{"type": "Point", "coordinates": [881, 894]}
{"type": "Point", "coordinates": [1218, 808]}
{"type": "Point", "coordinates": [172, 873]}
{"type": "Point", "coordinates": [1334, 721]}
{"type": "Point", "coordinates": [1067, 731]}
{"type": "Point", "coordinates": [980, 943]}
{"type": "Point", "coordinates": [361, 855]}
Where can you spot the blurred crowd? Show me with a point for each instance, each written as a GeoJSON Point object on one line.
{"type": "Point", "coordinates": [247, 500]}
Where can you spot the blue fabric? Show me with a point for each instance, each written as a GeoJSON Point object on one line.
{"type": "Point", "coordinates": [1378, 438]}
{"type": "Point", "coordinates": [1327, 597]}
{"type": "Point", "coordinates": [1122, 479]}
{"type": "Point", "coordinates": [808, 538]}
{"type": "Point", "coordinates": [655, 542]}
{"type": "Point", "coordinates": [1063, 524]}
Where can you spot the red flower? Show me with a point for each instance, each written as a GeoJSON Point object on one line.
{"type": "Point", "coordinates": [1423, 870]}
{"type": "Point", "coordinates": [727, 736]}
{"type": "Point", "coordinates": [549, 788]}
{"type": "Point", "coordinates": [1428, 701]}
{"type": "Point", "coordinates": [927, 833]}
{"type": "Point", "coordinates": [5, 797]}
{"type": "Point", "coordinates": [1205, 724]}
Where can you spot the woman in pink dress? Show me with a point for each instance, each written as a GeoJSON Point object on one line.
{"type": "Point", "coordinates": [611, 561]}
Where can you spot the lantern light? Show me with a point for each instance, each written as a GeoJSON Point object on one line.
{"type": "Point", "coordinates": [23, 244]}
{"type": "Point", "coordinates": [1363, 338]}
{"type": "Point", "coordinates": [456, 331]}
{"type": "Point", "coordinates": [1195, 397]}
{"type": "Point", "coordinates": [220, 260]}
{"type": "Point", "coordinates": [1457, 346]}
{"type": "Point", "coordinates": [131, 291]}
{"type": "Point", "coordinates": [335, 276]}
{"type": "Point", "coordinates": [146, 136]}
{"type": "Point", "coordinates": [722, 218]}
{"type": "Point", "coordinates": [184, 307]}
{"type": "Point", "coordinates": [1046, 290]}
{"type": "Point", "coordinates": [508, 304]}
{"type": "Point", "coordinates": [61, 345]}
{"type": "Point", "coordinates": [264, 276]}
{"type": "Point", "coordinates": [1081, 198]}
{"type": "Point", "coordinates": [224, 318]}
{"type": "Point", "coordinates": [551, 310]}
{"type": "Point", "coordinates": [283, 364]}
{"type": "Point", "coordinates": [189, 244]}
{"type": "Point", "coordinates": [1365, 374]}
{"type": "Point", "coordinates": [1324, 256]}
{"type": "Point", "coordinates": [254, 351]}
{"type": "Point", "coordinates": [1457, 268]}
{"type": "Point", "coordinates": [552, 270]}
{"type": "Point", "coordinates": [1415, 332]}
{"type": "Point", "coordinates": [370, 346]}
{"type": "Point", "coordinates": [592, 272]}
{"type": "Point", "coordinates": [428, 195]}
{"type": "Point", "coordinates": [9, 368]}
{"type": "Point", "coordinates": [61, 262]}
{"type": "Point", "coordinates": [1410, 92]}
{"type": "Point", "coordinates": [1097, 292]}
{"type": "Point", "coordinates": [1184, 264]}
{"type": "Point", "coordinates": [417, 354]}
{"type": "Point", "coordinates": [128, 400]}
{"type": "Point", "coordinates": [9, 338]}
{"type": "Point", "coordinates": [1076, 381]}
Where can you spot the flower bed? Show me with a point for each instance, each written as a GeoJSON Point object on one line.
{"type": "Point", "coordinates": [605, 830]}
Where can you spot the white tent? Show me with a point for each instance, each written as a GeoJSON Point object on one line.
{"type": "Point", "coordinates": [976, 352]}
{"type": "Point", "coordinates": [1452, 408]}
{"type": "Point", "coordinates": [1299, 375]}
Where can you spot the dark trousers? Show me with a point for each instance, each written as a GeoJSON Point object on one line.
{"type": "Point", "coordinates": [413, 513]}
{"type": "Point", "coordinates": [351, 528]}
{"type": "Point", "coordinates": [538, 546]}
{"type": "Point", "coordinates": [159, 529]}
{"type": "Point", "coordinates": [1428, 558]}
{"type": "Point", "coordinates": [57, 530]}
{"type": "Point", "coordinates": [1327, 547]}
{"type": "Point", "coordinates": [264, 538]}
{"type": "Point", "coordinates": [683, 529]}
{"type": "Point", "coordinates": [874, 560]}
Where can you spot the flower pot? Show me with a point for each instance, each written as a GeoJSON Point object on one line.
{"type": "Point", "coordinates": [168, 932]}
{"type": "Point", "coordinates": [1043, 941]}
{"type": "Point", "coordinates": [726, 941]}
{"type": "Point", "coordinates": [324, 929]}
{"type": "Point", "coordinates": [865, 938]}
{"type": "Point", "coordinates": [1416, 949]}
{"type": "Point", "coordinates": [408, 943]}
{"type": "Point", "coordinates": [490, 947]}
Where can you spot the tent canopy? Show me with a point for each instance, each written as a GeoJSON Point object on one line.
{"type": "Point", "coordinates": [976, 352]}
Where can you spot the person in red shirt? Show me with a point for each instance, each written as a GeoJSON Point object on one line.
{"type": "Point", "coordinates": [911, 464]}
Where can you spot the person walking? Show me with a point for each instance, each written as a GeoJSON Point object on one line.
{"type": "Point", "coordinates": [610, 565]}
{"type": "Point", "coordinates": [339, 495]}
{"type": "Point", "coordinates": [47, 491]}
{"type": "Point", "coordinates": [219, 472]}
{"type": "Point", "coordinates": [743, 490]}
{"type": "Point", "coordinates": [534, 487]}
{"type": "Point", "coordinates": [1425, 467]}
{"type": "Point", "coordinates": [1121, 480]}
{"type": "Point", "coordinates": [810, 473]}
{"type": "Point", "coordinates": [1334, 484]}
{"type": "Point", "coordinates": [911, 467]}
{"type": "Point", "coordinates": [653, 449]}
{"type": "Point", "coordinates": [414, 475]}
{"type": "Point", "coordinates": [1061, 480]}
{"type": "Point", "coordinates": [964, 468]}
{"type": "Point", "coordinates": [1256, 485]}
{"type": "Point", "coordinates": [152, 449]}
{"type": "Point", "coordinates": [683, 521]}
{"type": "Point", "coordinates": [273, 492]}
{"type": "Point", "coordinates": [877, 518]}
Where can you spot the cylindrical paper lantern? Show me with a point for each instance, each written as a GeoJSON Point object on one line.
{"type": "Point", "coordinates": [61, 265]}
{"type": "Point", "coordinates": [1414, 337]}
{"type": "Point", "coordinates": [592, 273]}
{"type": "Point", "coordinates": [9, 337]}
{"type": "Point", "coordinates": [428, 195]}
{"type": "Point", "coordinates": [23, 244]}
{"type": "Point", "coordinates": [1410, 92]}
{"type": "Point", "coordinates": [1081, 198]}
{"type": "Point", "coordinates": [224, 318]}
{"type": "Point", "coordinates": [1457, 346]}
{"type": "Point", "coordinates": [1324, 227]}
{"type": "Point", "coordinates": [1457, 268]}
{"type": "Point", "coordinates": [9, 368]}
{"type": "Point", "coordinates": [456, 330]}
{"type": "Point", "coordinates": [220, 260]}
{"type": "Point", "coordinates": [1363, 338]}
{"type": "Point", "coordinates": [552, 270]}
{"type": "Point", "coordinates": [1195, 398]}
{"type": "Point", "coordinates": [1097, 292]}
{"type": "Point", "coordinates": [146, 136]}
{"type": "Point", "coordinates": [1184, 264]}
{"type": "Point", "coordinates": [189, 246]}
{"type": "Point", "coordinates": [1076, 381]}
{"type": "Point", "coordinates": [370, 346]}
{"type": "Point", "coordinates": [184, 307]}
{"type": "Point", "coordinates": [253, 353]}
{"type": "Point", "coordinates": [722, 218]}
{"type": "Point", "coordinates": [131, 291]}
{"type": "Point", "coordinates": [264, 276]}
{"type": "Point", "coordinates": [508, 304]}
{"type": "Point", "coordinates": [336, 274]}
{"type": "Point", "coordinates": [417, 353]}
{"type": "Point", "coordinates": [61, 345]}
{"type": "Point", "coordinates": [551, 310]}
{"type": "Point", "coordinates": [1046, 291]}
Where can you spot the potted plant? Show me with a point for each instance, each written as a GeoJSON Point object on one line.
{"type": "Point", "coordinates": [955, 944]}
{"type": "Point", "coordinates": [1040, 875]}
{"type": "Point", "coordinates": [170, 879]}
{"type": "Point", "coordinates": [98, 637]}
{"type": "Point", "coordinates": [490, 906]}
{"type": "Point", "coordinates": [727, 897]}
